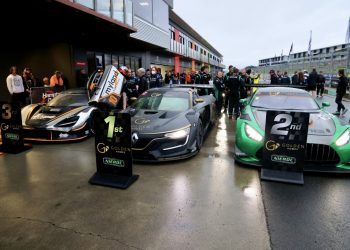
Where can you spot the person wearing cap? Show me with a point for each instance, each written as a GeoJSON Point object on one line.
{"type": "Point", "coordinates": [56, 81]}
{"type": "Point", "coordinates": [227, 90]}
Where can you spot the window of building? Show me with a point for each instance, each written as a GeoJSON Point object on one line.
{"type": "Point", "coordinates": [205, 52]}
{"type": "Point", "coordinates": [190, 44]}
{"type": "Point", "coordinates": [161, 14]}
{"type": "Point", "coordinates": [103, 7]}
{"type": "Point", "coordinates": [144, 9]}
{"type": "Point", "coordinates": [343, 46]}
{"type": "Point", "coordinates": [118, 10]}
{"type": "Point", "coordinates": [87, 3]}
{"type": "Point", "coordinates": [108, 59]}
{"type": "Point", "coordinates": [327, 50]}
{"type": "Point", "coordinates": [128, 12]}
{"type": "Point", "coordinates": [173, 35]}
{"type": "Point", "coordinates": [115, 61]}
{"type": "Point", "coordinates": [201, 51]}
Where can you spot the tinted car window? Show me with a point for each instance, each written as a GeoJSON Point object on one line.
{"type": "Point", "coordinates": [72, 100]}
{"type": "Point", "coordinates": [281, 100]}
{"type": "Point", "coordinates": [170, 101]}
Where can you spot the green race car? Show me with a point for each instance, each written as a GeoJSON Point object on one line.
{"type": "Point", "coordinates": [328, 147]}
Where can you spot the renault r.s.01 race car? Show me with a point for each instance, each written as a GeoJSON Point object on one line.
{"type": "Point", "coordinates": [67, 117]}
{"type": "Point", "coordinates": [170, 123]}
{"type": "Point", "coordinates": [328, 147]}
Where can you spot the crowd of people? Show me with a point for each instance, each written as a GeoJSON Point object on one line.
{"type": "Point", "coordinates": [230, 88]}
{"type": "Point", "coordinates": [315, 83]}
{"type": "Point", "coordinates": [19, 86]}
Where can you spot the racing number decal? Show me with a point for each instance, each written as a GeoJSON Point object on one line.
{"type": "Point", "coordinates": [280, 128]}
{"type": "Point", "coordinates": [6, 111]}
{"type": "Point", "coordinates": [110, 120]}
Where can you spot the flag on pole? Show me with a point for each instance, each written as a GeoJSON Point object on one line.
{"type": "Point", "coordinates": [310, 41]}
{"type": "Point", "coordinates": [347, 38]}
{"type": "Point", "coordinates": [291, 49]}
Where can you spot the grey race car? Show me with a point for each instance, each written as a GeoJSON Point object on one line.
{"type": "Point", "coordinates": [67, 117]}
{"type": "Point", "coordinates": [170, 123]}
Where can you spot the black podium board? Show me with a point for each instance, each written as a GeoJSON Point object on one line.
{"type": "Point", "coordinates": [113, 150]}
{"type": "Point", "coordinates": [11, 129]}
{"type": "Point", "coordinates": [284, 146]}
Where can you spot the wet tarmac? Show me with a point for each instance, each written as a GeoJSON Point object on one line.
{"type": "Point", "coordinates": [206, 202]}
{"type": "Point", "coordinates": [202, 203]}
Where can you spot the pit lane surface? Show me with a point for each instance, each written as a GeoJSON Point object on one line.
{"type": "Point", "coordinates": [313, 216]}
{"type": "Point", "coordinates": [201, 203]}
{"type": "Point", "coordinates": [206, 202]}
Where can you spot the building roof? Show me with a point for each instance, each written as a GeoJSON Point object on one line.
{"type": "Point", "coordinates": [187, 28]}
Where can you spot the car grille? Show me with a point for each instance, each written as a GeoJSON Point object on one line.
{"type": "Point", "coordinates": [316, 154]}
{"type": "Point", "coordinates": [142, 143]}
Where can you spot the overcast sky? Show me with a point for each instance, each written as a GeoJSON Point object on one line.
{"type": "Point", "coordinates": [246, 31]}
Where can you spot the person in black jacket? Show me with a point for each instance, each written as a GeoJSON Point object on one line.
{"type": "Point", "coordinates": [274, 79]}
{"type": "Point", "coordinates": [295, 78]}
{"type": "Point", "coordinates": [219, 89]}
{"type": "Point", "coordinates": [341, 91]}
{"type": "Point", "coordinates": [227, 91]}
{"type": "Point", "coordinates": [234, 83]}
{"type": "Point", "coordinates": [321, 80]}
{"type": "Point", "coordinates": [143, 83]}
{"type": "Point", "coordinates": [285, 79]}
{"type": "Point", "coordinates": [312, 82]}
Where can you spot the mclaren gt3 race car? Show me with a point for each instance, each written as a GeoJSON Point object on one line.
{"type": "Point", "coordinates": [170, 123]}
{"type": "Point", "coordinates": [328, 141]}
{"type": "Point", "coordinates": [67, 117]}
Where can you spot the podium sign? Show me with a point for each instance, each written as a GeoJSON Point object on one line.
{"type": "Point", "coordinates": [284, 146]}
{"type": "Point", "coordinates": [11, 128]}
{"type": "Point", "coordinates": [113, 150]}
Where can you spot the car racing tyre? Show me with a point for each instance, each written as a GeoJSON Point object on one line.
{"type": "Point", "coordinates": [199, 135]}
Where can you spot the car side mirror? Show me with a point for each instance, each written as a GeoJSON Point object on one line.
{"type": "Point", "coordinates": [199, 100]}
{"type": "Point", "coordinates": [326, 104]}
{"type": "Point", "coordinates": [243, 101]}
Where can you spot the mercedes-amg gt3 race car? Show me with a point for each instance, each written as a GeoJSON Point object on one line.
{"type": "Point", "coordinates": [67, 117]}
{"type": "Point", "coordinates": [170, 123]}
{"type": "Point", "coordinates": [328, 147]}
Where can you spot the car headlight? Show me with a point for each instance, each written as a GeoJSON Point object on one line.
{"type": "Point", "coordinates": [178, 134]}
{"type": "Point", "coordinates": [252, 133]}
{"type": "Point", "coordinates": [343, 139]}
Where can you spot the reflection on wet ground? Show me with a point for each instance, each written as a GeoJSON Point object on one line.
{"type": "Point", "coordinates": [201, 203]}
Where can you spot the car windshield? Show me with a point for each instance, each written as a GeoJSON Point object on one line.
{"type": "Point", "coordinates": [169, 101]}
{"type": "Point", "coordinates": [284, 100]}
{"type": "Point", "coordinates": [69, 100]}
